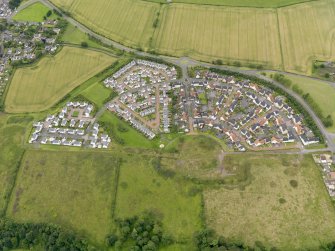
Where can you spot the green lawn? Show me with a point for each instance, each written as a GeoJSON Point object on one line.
{"type": "Point", "coordinates": [270, 209]}
{"type": "Point", "coordinates": [131, 137]}
{"type": "Point", "coordinates": [322, 93]}
{"type": "Point", "coordinates": [34, 13]}
{"type": "Point", "coordinates": [11, 137]}
{"type": "Point", "coordinates": [142, 189]}
{"type": "Point", "coordinates": [72, 189]}
{"type": "Point", "coordinates": [75, 36]}
{"type": "Point", "coordinates": [97, 93]}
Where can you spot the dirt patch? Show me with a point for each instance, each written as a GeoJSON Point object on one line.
{"type": "Point", "coordinates": [17, 200]}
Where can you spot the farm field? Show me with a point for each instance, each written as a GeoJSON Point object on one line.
{"type": "Point", "coordinates": [12, 133]}
{"type": "Point", "coordinates": [72, 189]}
{"type": "Point", "coordinates": [307, 33]}
{"type": "Point", "coordinates": [207, 32]}
{"type": "Point", "coordinates": [322, 93]}
{"type": "Point", "coordinates": [282, 206]}
{"type": "Point", "coordinates": [34, 13]}
{"type": "Point", "coordinates": [239, 3]}
{"type": "Point", "coordinates": [38, 87]}
{"type": "Point", "coordinates": [142, 189]}
{"type": "Point", "coordinates": [129, 22]}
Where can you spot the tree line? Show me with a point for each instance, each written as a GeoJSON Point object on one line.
{"type": "Point", "coordinates": [326, 120]}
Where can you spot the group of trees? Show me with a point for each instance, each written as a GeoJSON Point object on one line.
{"type": "Point", "coordinates": [326, 120]}
{"type": "Point", "coordinates": [208, 240]}
{"type": "Point", "coordinates": [15, 235]}
{"type": "Point", "coordinates": [13, 4]}
{"type": "Point", "coordinates": [139, 234]}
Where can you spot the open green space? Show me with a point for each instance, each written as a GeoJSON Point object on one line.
{"type": "Point", "coordinates": [97, 93]}
{"type": "Point", "coordinates": [239, 3]}
{"type": "Point", "coordinates": [72, 189]}
{"type": "Point", "coordinates": [122, 130]}
{"type": "Point", "coordinates": [34, 13]}
{"type": "Point", "coordinates": [141, 189]}
{"type": "Point", "coordinates": [75, 36]}
{"type": "Point", "coordinates": [38, 87]}
{"type": "Point", "coordinates": [321, 92]}
{"type": "Point", "coordinates": [282, 205]}
{"type": "Point", "coordinates": [196, 156]}
{"type": "Point", "coordinates": [11, 137]}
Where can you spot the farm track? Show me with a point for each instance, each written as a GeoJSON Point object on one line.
{"type": "Point", "coordinates": [186, 62]}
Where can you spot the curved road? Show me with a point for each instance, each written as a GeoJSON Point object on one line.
{"type": "Point", "coordinates": [186, 62]}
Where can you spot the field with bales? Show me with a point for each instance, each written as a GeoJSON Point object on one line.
{"type": "Point", "coordinates": [38, 87]}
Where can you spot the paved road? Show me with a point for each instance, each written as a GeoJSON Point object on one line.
{"type": "Point", "coordinates": [186, 62]}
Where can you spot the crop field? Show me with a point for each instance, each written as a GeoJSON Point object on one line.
{"type": "Point", "coordinates": [12, 135]}
{"type": "Point", "coordinates": [38, 87]}
{"type": "Point", "coordinates": [322, 93]}
{"type": "Point", "coordinates": [282, 206]}
{"type": "Point", "coordinates": [72, 189]}
{"type": "Point", "coordinates": [239, 3]}
{"type": "Point", "coordinates": [142, 189]}
{"type": "Point", "coordinates": [207, 32]}
{"type": "Point", "coordinates": [33, 13]}
{"type": "Point", "coordinates": [129, 21]}
{"type": "Point", "coordinates": [307, 33]}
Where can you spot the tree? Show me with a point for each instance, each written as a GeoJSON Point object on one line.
{"type": "Point", "coordinates": [49, 13]}
{"type": "Point", "coordinates": [84, 44]}
{"type": "Point", "coordinates": [327, 75]}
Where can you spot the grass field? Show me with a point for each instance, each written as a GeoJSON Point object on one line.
{"type": "Point", "coordinates": [38, 87]}
{"type": "Point", "coordinates": [322, 93]}
{"type": "Point", "coordinates": [195, 156]}
{"type": "Point", "coordinates": [130, 136]}
{"type": "Point", "coordinates": [11, 136]}
{"type": "Point", "coordinates": [239, 3]}
{"type": "Point", "coordinates": [207, 32]}
{"type": "Point", "coordinates": [129, 21]}
{"type": "Point", "coordinates": [307, 33]}
{"type": "Point", "coordinates": [72, 189]}
{"type": "Point", "coordinates": [34, 13]}
{"type": "Point", "coordinates": [283, 206]}
{"type": "Point", "coordinates": [141, 189]}
{"type": "Point", "coordinates": [97, 93]}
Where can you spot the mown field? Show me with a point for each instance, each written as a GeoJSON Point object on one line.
{"type": "Point", "coordinates": [34, 13]}
{"type": "Point", "coordinates": [207, 32]}
{"type": "Point", "coordinates": [283, 206]}
{"type": "Point", "coordinates": [307, 33]}
{"type": "Point", "coordinates": [40, 86]}
{"type": "Point", "coordinates": [72, 189]}
{"type": "Point", "coordinates": [12, 131]}
{"type": "Point", "coordinates": [129, 21]}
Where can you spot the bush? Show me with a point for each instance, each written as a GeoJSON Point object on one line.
{"type": "Point", "coordinates": [294, 183]}
{"type": "Point", "coordinates": [84, 44]}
